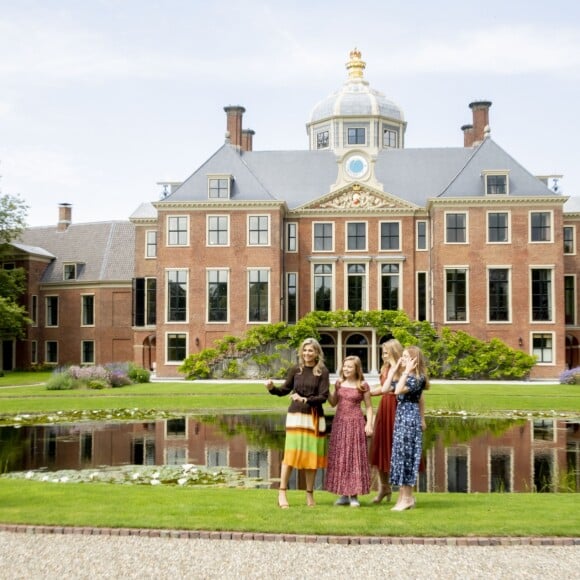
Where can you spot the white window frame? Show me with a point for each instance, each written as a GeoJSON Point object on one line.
{"type": "Point", "coordinates": [366, 224]}
{"type": "Point", "coordinates": [149, 244]}
{"type": "Point", "coordinates": [466, 214]}
{"type": "Point", "coordinates": [488, 302]}
{"type": "Point", "coordinates": [207, 230]}
{"type": "Point", "coordinates": [552, 236]}
{"type": "Point", "coordinates": [496, 173]}
{"type": "Point", "coordinates": [166, 346]}
{"type": "Point", "coordinates": [207, 282]}
{"type": "Point", "coordinates": [400, 236]}
{"type": "Point", "coordinates": [268, 232]}
{"type": "Point", "coordinates": [508, 226]}
{"type": "Point", "coordinates": [333, 235]}
{"type": "Point", "coordinates": [426, 248]}
{"type": "Point", "coordinates": [365, 276]}
{"type": "Point", "coordinates": [219, 177]}
{"type": "Point", "coordinates": [294, 238]}
{"type": "Point", "coordinates": [169, 230]}
{"type": "Point", "coordinates": [467, 309]}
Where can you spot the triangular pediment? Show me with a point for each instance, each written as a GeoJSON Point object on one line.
{"type": "Point", "coordinates": [357, 197]}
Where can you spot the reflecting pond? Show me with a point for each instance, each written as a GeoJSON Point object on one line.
{"type": "Point", "coordinates": [460, 454]}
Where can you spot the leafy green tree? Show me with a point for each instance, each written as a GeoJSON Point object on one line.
{"type": "Point", "coordinates": [13, 317]}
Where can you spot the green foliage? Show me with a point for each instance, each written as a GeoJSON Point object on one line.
{"type": "Point", "coordinates": [233, 370]}
{"type": "Point", "coordinates": [13, 211]}
{"type": "Point", "coordinates": [138, 374]}
{"type": "Point", "coordinates": [451, 354]}
{"type": "Point", "coordinates": [97, 384]}
{"type": "Point", "coordinates": [12, 314]}
{"type": "Point", "coordinates": [60, 381]}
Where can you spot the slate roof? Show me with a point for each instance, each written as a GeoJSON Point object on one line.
{"type": "Point", "coordinates": [414, 175]}
{"type": "Point", "coordinates": [104, 251]}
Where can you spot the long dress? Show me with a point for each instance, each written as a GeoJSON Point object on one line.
{"type": "Point", "coordinates": [348, 470]}
{"type": "Point", "coordinates": [382, 441]}
{"type": "Point", "coordinates": [408, 435]}
{"type": "Point", "coordinates": [305, 446]}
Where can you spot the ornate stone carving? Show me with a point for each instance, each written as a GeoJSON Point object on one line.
{"type": "Point", "coordinates": [356, 199]}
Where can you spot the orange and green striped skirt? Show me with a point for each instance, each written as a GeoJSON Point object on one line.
{"type": "Point", "coordinates": [306, 444]}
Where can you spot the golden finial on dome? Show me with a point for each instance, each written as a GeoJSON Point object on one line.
{"type": "Point", "coordinates": [355, 66]}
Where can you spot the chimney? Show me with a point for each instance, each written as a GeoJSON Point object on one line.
{"type": "Point", "coordinates": [248, 139]}
{"type": "Point", "coordinates": [467, 135]}
{"type": "Point", "coordinates": [64, 217]}
{"type": "Point", "coordinates": [234, 123]}
{"type": "Point", "coordinates": [480, 111]}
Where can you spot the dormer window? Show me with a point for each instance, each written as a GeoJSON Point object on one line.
{"type": "Point", "coordinates": [496, 182]}
{"type": "Point", "coordinates": [69, 272]}
{"type": "Point", "coordinates": [219, 186]}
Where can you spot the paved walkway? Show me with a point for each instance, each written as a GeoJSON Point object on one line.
{"type": "Point", "coordinates": [41, 552]}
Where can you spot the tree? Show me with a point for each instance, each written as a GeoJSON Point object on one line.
{"type": "Point", "coordinates": [12, 282]}
{"type": "Point", "coordinates": [13, 212]}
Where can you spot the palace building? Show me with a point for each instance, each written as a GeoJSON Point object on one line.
{"type": "Point", "coordinates": [463, 237]}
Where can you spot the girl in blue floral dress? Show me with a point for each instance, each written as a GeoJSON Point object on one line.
{"type": "Point", "coordinates": [408, 434]}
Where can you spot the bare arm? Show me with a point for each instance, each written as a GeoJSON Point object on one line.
{"type": "Point", "coordinates": [333, 395]}
{"type": "Point", "coordinates": [369, 413]}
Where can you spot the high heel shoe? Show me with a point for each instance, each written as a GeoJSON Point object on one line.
{"type": "Point", "coordinates": [404, 506]}
{"type": "Point", "coordinates": [282, 501]}
{"type": "Point", "coordinates": [310, 498]}
{"type": "Point", "coordinates": [383, 493]}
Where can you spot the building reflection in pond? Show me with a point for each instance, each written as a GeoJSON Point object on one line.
{"type": "Point", "coordinates": [461, 455]}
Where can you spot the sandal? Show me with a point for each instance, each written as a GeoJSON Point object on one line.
{"type": "Point", "coordinates": [282, 500]}
{"type": "Point", "coordinates": [310, 498]}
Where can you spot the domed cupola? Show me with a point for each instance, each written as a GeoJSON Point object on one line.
{"type": "Point", "coordinates": [356, 116]}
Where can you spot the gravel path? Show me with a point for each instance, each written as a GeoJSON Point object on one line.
{"type": "Point", "coordinates": [76, 555]}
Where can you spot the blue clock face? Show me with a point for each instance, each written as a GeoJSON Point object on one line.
{"type": "Point", "coordinates": [356, 166]}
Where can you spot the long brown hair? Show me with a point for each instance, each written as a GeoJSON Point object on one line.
{"type": "Point", "coordinates": [319, 366]}
{"type": "Point", "coordinates": [421, 368]}
{"type": "Point", "coordinates": [359, 376]}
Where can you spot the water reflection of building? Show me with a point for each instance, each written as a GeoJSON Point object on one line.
{"type": "Point", "coordinates": [535, 455]}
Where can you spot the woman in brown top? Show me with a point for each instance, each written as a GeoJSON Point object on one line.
{"type": "Point", "coordinates": [305, 447]}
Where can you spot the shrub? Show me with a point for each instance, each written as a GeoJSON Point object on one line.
{"type": "Point", "coordinates": [138, 374]}
{"type": "Point", "coordinates": [568, 377]}
{"type": "Point", "coordinates": [97, 384]}
{"type": "Point", "coordinates": [61, 381]}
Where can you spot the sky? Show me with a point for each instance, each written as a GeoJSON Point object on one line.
{"type": "Point", "coordinates": [100, 100]}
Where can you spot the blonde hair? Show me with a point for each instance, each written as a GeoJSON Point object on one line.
{"type": "Point", "coordinates": [421, 368]}
{"type": "Point", "coordinates": [359, 377]}
{"type": "Point", "coordinates": [394, 351]}
{"type": "Point", "coordinates": [319, 366]}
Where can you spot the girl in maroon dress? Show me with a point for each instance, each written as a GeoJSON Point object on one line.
{"type": "Point", "coordinates": [382, 442]}
{"type": "Point", "coordinates": [348, 472]}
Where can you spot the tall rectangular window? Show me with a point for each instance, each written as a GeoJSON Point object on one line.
{"type": "Point", "coordinates": [34, 309]}
{"type": "Point", "coordinates": [323, 237]}
{"type": "Point", "coordinates": [455, 228]}
{"type": "Point", "coordinates": [390, 284]}
{"type": "Point", "coordinates": [500, 465]}
{"type": "Point", "coordinates": [390, 238]}
{"type": "Point", "coordinates": [217, 295]}
{"type": "Point", "coordinates": [541, 226]}
{"type": "Point", "coordinates": [421, 235]}
{"type": "Point", "coordinates": [541, 294]}
{"type": "Point", "coordinates": [456, 295]}
{"type": "Point", "coordinates": [356, 136]}
{"type": "Point", "coordinates": [356, 287]}
{"type": "Point", "coordinates": [322, 140]}
{"type": "Point", "coordinates": [88, 352]}
{"type": "Point", "coordinates": [498, 295]}
{"type": "Point", "coordinates": [291, 297]}
{"type": "Point", "coordinates": [176, 295]}
{"type": "Point", "coordinates": [542, 347]}
{"type": "Point", "coordinates": [569, 243]}
{"type": "Point", "coordinates": [218, 230]}
{"type": "Point", "coordinates": [52, 311]}
{"type": "Point", "coordinates": [69, 272]}
{"type": "Point", "coordinates": [88, 310]}
{"type": "Point", "coordinates": [422, 295]}
{"type": "Point", "coordinates": [34, 352]}
{"type": "Point", "coordinates": [177, 231]}
{"type": "Point", "coordinates": [323, 287]}
{"type": "Point", "coordinates": [176, 347]}
{"type": "Point", "coordinates": [389, 138]}
{"type": "Point", "coordinates": [258, 296]}
{"type": "Point", "coordinates": [258, 230]}
{"type": "Point", "coordinates": [497, 227]}
{"type": "Point", "coordinates": [570, 299]}
{"type": "Point", "coordinates": [356, 236]}
{"type": "Point", "coordinates": [292, 237]}
{"type": "Point", "coordinates": [151, 244]}
{"type": "Point", "coordinates": [51, 353]}
{"type": "Point", "coordinates": [144, 301]}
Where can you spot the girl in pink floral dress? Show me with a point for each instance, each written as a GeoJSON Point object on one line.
{"type": "Point", "coordinates": [348, 472]}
